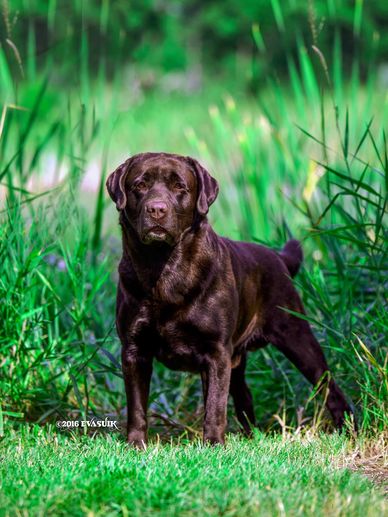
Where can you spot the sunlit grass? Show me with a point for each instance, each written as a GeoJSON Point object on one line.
{"type": "Point", "coordinates": [60, 475]}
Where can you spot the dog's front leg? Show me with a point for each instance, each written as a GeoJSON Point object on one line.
{"type": "Point", "coordinates": [216, 380]}
{"type": "Point", "coordinates": [137, 370]}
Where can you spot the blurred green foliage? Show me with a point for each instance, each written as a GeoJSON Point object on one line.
{"type": "Point", "coordinates": [175, 35]}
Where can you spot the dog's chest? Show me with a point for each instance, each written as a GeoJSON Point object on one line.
{"type": "Point", "coordinates": [171, 335]}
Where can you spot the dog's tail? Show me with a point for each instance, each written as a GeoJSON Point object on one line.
{"type": "Point", "coordinates": [292, 256]}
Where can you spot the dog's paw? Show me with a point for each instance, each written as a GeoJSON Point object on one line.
{"type": "Point", "coordinates": [213, 439]}
{"type": "Point", "coordinates": [137, 440]}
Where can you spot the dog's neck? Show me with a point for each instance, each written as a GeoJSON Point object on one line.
{"type": "Point", "coordinates": [159, 267]}
{"type": "Point", "coordinates": [148, 260]}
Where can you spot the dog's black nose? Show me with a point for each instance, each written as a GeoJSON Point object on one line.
{"type": "Point", "coordinates": [156, 209]}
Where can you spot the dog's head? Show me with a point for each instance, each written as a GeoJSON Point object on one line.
{"type": "Point", "coordinates": [161, 194]}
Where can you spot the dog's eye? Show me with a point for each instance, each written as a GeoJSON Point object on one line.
{"type": "Point", "coordinates": [140, 186]}
{"type": "Point", "coordinates": [179, 185]}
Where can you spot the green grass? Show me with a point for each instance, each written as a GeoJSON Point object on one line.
{"type": "Point", "coordinates": [47, 473]}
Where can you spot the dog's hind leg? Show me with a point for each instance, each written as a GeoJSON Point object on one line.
{"type": "Point", "coordinates": [293, 337]}
{"type": "Point", "coordinates": [242, 397]}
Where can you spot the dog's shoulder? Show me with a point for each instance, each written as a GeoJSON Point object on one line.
{"type": "Point", "coordinates": [129, 285]}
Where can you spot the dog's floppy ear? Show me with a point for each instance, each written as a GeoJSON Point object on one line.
{"type": "Point", "coordinates": [115, 183]}
{"type": "Point", "coordinates": [207, 187]}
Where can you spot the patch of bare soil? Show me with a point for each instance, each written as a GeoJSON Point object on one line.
{"type": "Point", "coordinates": [370, 458]}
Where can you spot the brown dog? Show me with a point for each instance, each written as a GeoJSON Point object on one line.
{"type": "Point", "coordinates": [196, 301]}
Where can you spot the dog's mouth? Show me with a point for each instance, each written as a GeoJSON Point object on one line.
{"type": "Point", "coordinates": [156, 234]}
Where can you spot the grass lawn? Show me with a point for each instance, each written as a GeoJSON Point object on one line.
{"type": "Point", "coordinates": [48, 473]}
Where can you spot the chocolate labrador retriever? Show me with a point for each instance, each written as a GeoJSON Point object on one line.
{"type": "Point", "coordinates": [199, 302]}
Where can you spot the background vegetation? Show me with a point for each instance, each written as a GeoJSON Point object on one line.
{"type": "Point", "coordinates": [285, 103]}
{"type": "Point", "coordinates": [172, 35]}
